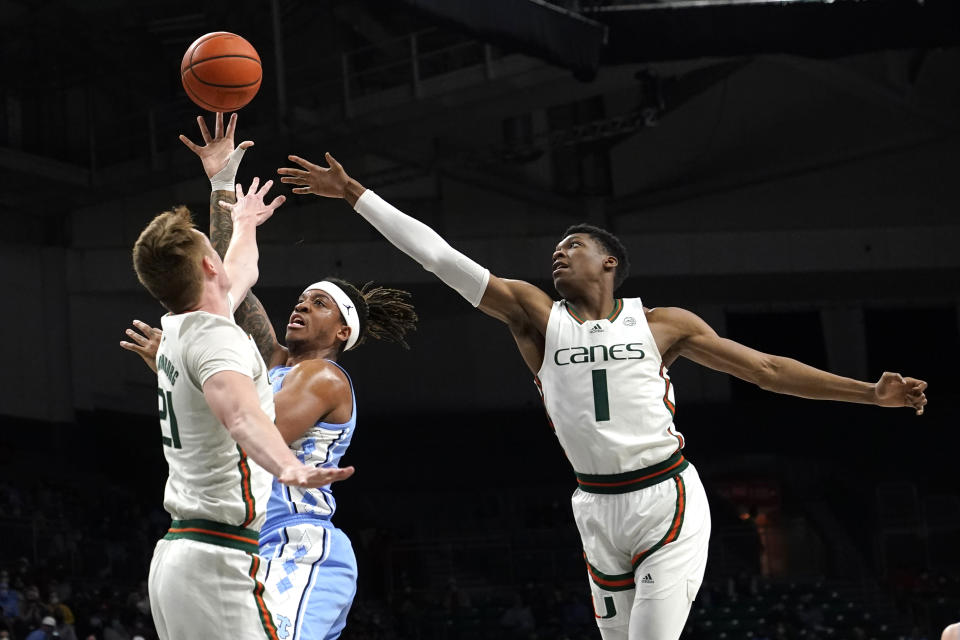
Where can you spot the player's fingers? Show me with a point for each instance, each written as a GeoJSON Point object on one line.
{"type": "Point", "coordinates": [128, 346]}
{"type": "Point", "coordinates": [136, 337]}
{"type": "Point", "coordinates": [289, 171]}
{"type": "Point", "coordinates": [333, 162]}
{"type": "Point", "coordinates": [279, 200]}
{"type": "Point", "coordinates": [306, 164]}
{"type": "Point", "coordinates": [226, 205]}
{"type": "Point", "coordinates": [239, 191]}
{"type": "Point", "coordinates": [265, 188]}
{"type": "Point", "coordinates": [302, 190]}
{"type": "Point", "coordinates": [246, 144]}
{"type": "Point", "coordinates": [203, 129]}
{"type": "Point", "coordinates": [294, 180]}
{"type": "Point", "coordinates": [143, 326]}
{"type": "Point", "coordinates": [189, 143]}
{"type": "Point", "coordinates": [218, 125]}
{"type": "Point", "coordinates": [231, 125]}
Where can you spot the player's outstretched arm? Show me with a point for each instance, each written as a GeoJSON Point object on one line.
{"type": "Point", "coordinates": [247, 213]}
{"type": "Point", "coordinates": [145, 342]}
{"type": "Point", "coordinates": [521, 305]}
{"type": "Point", "coordinates": [232, 398]}
{"type": "Point", "coordinates": [691, 337]}
{"type": "Point", "coordinates": [220, 163]}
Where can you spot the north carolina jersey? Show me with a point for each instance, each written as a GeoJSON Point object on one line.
{"type": "Point", "coordinates": [321, 446]}
{"type": "Point", "coordinates": [606, 391]}
{"type": "Point", "coordinates": [210, 476]}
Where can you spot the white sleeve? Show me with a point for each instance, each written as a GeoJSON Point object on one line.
{"type": "Point", "coordinates": [425, 245]}
{"type": "Point", "coordinates": [215, 344]}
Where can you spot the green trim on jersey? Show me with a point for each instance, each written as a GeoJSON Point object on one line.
{"type": "Point", "coordinates": [675, 525]}
{"type": "Point", "coordinates": [217, 533]}
{"type": "Point", "coordinates": [266, 620]}
{"type": "Point", "coordinates": [617, 308]}
{"type": "Point", "coordinates": [633, 480]}
{"type": "Point", "coordinates": [566, 305]}
{"type": "Point", "coordinates": [246, 490]}
{"type": "Point", "coordinates": [607, 581]}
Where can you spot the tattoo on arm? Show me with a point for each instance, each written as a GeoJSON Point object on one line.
{"type": "Point", "coordinates": [221, 224]}
{"type": "Point", "coordinates": [250, 315]}
{"type": "Point", "coordinates": [253, 319]}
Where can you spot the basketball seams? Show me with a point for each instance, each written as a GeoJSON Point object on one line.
{"type": "Point", "coordinates": [221, 71]}
{"type": "Point", "coordinates": [193, 72]}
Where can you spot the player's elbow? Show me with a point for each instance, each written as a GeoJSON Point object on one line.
{"type": "Point", "coordinates": [767, 373]}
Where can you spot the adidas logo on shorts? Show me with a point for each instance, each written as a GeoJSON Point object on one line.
{"type": "Point", "coordinates": [596, 329]}
{"type": "Point", "coordinates": [647, 579]}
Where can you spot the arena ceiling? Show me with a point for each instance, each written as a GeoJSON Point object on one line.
{"type": "Point", "coordinates": [92, 99]}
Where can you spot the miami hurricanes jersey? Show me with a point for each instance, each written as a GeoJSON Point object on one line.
{"type": "Point", "coordinates": [210, 476]}
{"type": "Point", "coordinates": [606, 391]}
{"type": "Point", "coordinates": [321, 446]}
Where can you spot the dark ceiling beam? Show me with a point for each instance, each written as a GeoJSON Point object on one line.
{"type": "Point", "coordinates": [534, 27]}
{"type": "Point", "coordinates": [685, 29]}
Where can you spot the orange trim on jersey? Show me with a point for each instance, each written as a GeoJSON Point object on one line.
{"type": "Point", "coordinates": [620, 582]}
{"type": "Point", "coordinates": [666, 396]}
{"type": "Point", "coordinates": [617, 308]}
{"type": "Point", "coordinates": [208, 532]}
{"type": "Point", "coordinates": [566, 305]}
{"type": "Point", "coordinates": [633, 480]}
{"type": "Point", "coordinates": [674, 531]}
{"type": "Point", "coordinates": [536, 381]}
{"type": "Point", "coordinates": [245, 490]}
{"type": "Point", "coordinates": [265, 618]}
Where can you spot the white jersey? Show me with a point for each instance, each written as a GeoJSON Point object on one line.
{"type": "Point", "coordinates": [608, 395]}
{"type": "Point", "coordinates": [210, 476]}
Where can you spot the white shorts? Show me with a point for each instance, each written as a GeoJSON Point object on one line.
{"type": "Point", "coordinates": [202, 590]}
{"type": "Point", "coordinates": [643, 544]}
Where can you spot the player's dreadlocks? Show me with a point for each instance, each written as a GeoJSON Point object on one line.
{"type": "Point", "coordinates": [385, 314]}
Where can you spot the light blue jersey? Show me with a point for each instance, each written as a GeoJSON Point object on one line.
{"type": "Point", "coordinates": [321, 446]}
{"type": "Point", "coordinates": [312, 574]}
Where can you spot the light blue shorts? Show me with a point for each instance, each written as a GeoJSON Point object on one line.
{"type": "Point", "coordinates": [311, 580]}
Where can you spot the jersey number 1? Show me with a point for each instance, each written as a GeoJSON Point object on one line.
{"type": "Point", "coordinates": [167, 415]}
{"type": "Point", "coordinates": [601, 402]}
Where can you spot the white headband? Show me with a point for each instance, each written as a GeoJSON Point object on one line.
{"type": "Point", "coordinates": [347, 309]}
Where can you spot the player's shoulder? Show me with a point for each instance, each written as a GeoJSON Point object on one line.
{"type": "Point", "coordinates": [674, 316]}
{"type": "Point", "coordinates": [316, 371]}
{"type": "Point", "coordinates": [202, 322]}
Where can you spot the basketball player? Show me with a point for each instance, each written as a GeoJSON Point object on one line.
{"type": "Point", "coordinates": [312, 580]}
{"type": "Point", "coordinates": [601, 366]}
{"type": "Point", "coordinates": [216, 416]}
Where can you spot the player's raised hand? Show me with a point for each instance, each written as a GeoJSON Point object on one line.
{"type": "Point", "coordinates": [893, 390]}
{"type": "Point", "coordinates": [145, 342]}
{"type": "Point", "coordinates": [250, 207]}
{"type": "Point", "coordinates": [313, 477]}
{"type": "Point", "coordinates": [330, 182]}
{"type": "Point", "coordinates": [217, 150]}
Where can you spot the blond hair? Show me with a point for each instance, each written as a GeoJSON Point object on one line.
{"type": "Point", "coordinates": [167, 258]}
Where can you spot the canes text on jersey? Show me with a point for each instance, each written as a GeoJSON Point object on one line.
{"type": "Point", "coordinates": [598, 352]}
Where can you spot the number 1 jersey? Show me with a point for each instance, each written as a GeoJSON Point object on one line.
{"type": "Point", "coordinates": [607, 394]}
{"type": "Point", "coordinates": [210, 476]}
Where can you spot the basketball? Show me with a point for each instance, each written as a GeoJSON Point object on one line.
{"type": "Point", "coordinates": [221, 71]}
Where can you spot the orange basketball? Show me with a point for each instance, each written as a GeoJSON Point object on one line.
{"type": "Point", "coordinates": [221, 71]}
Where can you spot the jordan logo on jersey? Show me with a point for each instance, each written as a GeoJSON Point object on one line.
{"type": "Point", "coordinates": [596, 329]}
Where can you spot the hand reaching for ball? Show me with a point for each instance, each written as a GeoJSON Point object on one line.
{"type": "Point", "coordinates": [216, 149]}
